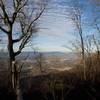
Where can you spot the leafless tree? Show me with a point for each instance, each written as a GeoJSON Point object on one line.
{"type": "Point", "coordinates": [76, 17]}
{"type": "Point", "coordinates": [95, 24]}
{"type": "Point", "coordinates": [39, 58]}
{"type": "Point", "coordinates": [20, 15]}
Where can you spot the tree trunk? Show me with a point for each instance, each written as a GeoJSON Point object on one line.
{"type": "Point", "coordinates": [11, 57]}
{"type": "Point", "coordinates": [13, 68]}
{"type": "Point", "coordinates": [83, 53]}
{"type": "Point", "coordinates": [16, 80]}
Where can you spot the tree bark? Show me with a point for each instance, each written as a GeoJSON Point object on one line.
{"type": "Point", "coordinates": [13, 68]}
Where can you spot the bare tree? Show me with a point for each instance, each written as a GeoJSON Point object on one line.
{"type": "Point", "coordinates": [76, 17]}
{"type": "Point", "coordinates": [39, 57]}
{"type": "Point", "coordinates": [95, 24]}
{"type": "Point", "coordinates": [20, 15]}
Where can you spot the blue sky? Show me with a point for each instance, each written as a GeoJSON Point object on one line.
{"type": "Point", "coordinates": [56, 30]}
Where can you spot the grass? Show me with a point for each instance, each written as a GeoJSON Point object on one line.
{"type": "Point", "coordinates": [64, 85]}
{"type": "Point", "coordinates": [61, 86]}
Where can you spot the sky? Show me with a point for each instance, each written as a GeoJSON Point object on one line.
{"type": "Point", "coordinates": [56, 30]}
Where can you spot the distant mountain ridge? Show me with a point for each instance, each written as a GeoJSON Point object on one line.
{"type": "Point", "coordinates": [69, 55]}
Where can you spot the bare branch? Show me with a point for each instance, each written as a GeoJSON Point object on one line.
{"type": "Point", "coordinates": [4, 12]}
{"type": "Point", "coordinates": [26, 35]}
{"type": "Point", "coordinates": [97, 27]}
{"type": "Point", "coordinates": [37, 17]}
{"type": "Point", "coordinates": [17, 9]}
{"type": "Point", "coordinates": [19, 39]}
{"type": "Point", "coordinates": [4, 30]}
